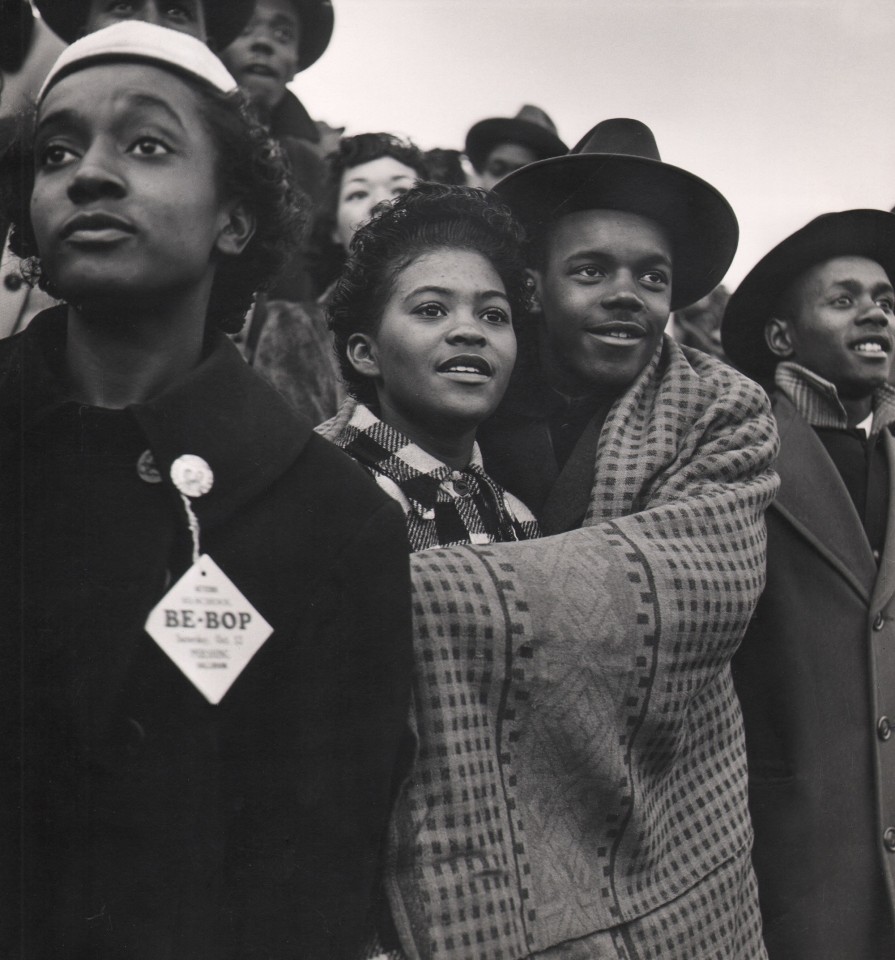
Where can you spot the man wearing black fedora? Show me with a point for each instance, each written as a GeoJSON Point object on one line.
{"type": "Point", "coordinates": [499, 145]}
{"type": "Point", "coordinates": [813, 320]}
{"type": "Point", "coordinates": [584, 789]}
{"type": "Point", "coordinates": [282, 38]}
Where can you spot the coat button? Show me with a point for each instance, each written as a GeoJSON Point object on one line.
{"type": "Point", "coordinates": [884, 728]}
{"type": "Point", "coordinates": [879, 621]}
{"type": "Point", "coordinates": [889, 839]}
{"type": "Point", "coordinates": [12, 282]}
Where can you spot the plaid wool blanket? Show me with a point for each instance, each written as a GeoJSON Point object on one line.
{"type": "Point", "coordinates": [581, 784]}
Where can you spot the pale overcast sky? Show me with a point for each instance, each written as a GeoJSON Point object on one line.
{"type": "Point", "coordinates": [785, 105]}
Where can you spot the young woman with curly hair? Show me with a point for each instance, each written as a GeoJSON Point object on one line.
{"type": "Point", "coordinates": [204, 607]}
{"type": "Point", "coordinates": [423, 325]}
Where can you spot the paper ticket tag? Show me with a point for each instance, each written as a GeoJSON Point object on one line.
{"type": "Point", "coordinates": [208, 628]}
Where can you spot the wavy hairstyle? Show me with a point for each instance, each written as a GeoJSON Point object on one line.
{"type": "Point", "coordinates": [431, 216]}
{"type": "Point", "coordinates": [251, 168]}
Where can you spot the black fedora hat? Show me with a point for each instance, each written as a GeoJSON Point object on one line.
{"type": "Point", "coordinates": [851, 233]}
{"type": "Point", "coordinates": [316, 22]}
{"type": "Point", "coordinates": [531, 127]}
{"type": "Point", "coordinates": [616, 166]}
{"type": "Point", "coordinates": [224, 19]}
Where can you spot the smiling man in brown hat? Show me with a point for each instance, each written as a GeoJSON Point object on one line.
{"type": "Point", "coordinates": [816, 671]}
{"type": "Point", "coordinates": [581, 787]}
{"type": "Point", "coordinates": [499, 145]}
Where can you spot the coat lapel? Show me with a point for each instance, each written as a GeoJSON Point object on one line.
{"type": "Point", "coordinates": [885, 581]}
{"type": "Point", "coordinates": [814, 499]}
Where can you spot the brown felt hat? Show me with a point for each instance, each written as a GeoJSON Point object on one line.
{"type": "Point", "coordinates": [223, 18]}
{"type": "Point", "coordinates": [616, 166]}
{"type": "Point", "coordinates": [531, 127]}
{"type": "Point", "coordinates": [851, 233]}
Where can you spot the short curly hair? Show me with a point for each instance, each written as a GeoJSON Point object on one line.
{"type": "Point", "coordinates": [251, 167]}
{"type": "Point", "coordinates": [428, 217]}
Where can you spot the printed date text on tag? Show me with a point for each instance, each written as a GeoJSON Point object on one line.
{"type": "Point", "coordinates": [208, 628]}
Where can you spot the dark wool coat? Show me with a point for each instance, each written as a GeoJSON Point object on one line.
{"type": "Point", "coordinates": [136, 819]}
{"type": "Point", "coordinates": [816, 678]}
{"type": "Point", "coordinates": [581, 790]}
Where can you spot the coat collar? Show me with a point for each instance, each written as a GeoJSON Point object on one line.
{"type": "Point", "coordinates": [220, 411]}
{"type": "Point", "coordinates": [814, 499]}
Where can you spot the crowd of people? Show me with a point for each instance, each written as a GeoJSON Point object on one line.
{"type": "Point", "coordinates": [417, 555]}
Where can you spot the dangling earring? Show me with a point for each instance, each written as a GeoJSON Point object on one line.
{"type": "Point", "coordinates": [534, 303]}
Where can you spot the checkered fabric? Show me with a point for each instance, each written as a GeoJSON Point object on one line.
{"type": "Point", "coordinates": [817, 400]}
{"type": "Point", "coordinates": [442, 506]}
{"type": "Point", "coordinates": [582, 769]}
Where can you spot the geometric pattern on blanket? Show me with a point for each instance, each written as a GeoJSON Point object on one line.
{"type": "Point", "coordinates": [582, 763]}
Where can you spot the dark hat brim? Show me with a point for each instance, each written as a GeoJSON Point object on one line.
{"type": "Point", "coordinates": [851, 233]}
{"type": "Point", "coordinates": [317, 21]}
{"type": "Point", "coordinates": [224, 19]}
{"type": "Point", "coordinates": [699, 222]}
{"type": "Point", "coordinates": [485, 135]}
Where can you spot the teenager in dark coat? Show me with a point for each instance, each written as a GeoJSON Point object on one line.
{"type": "Point", "coordinates": [816, 670]}
{"type": "Point", "coordinates": [149, 809]}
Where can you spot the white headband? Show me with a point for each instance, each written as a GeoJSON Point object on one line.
{"type": "Point", "coordinates": [137, 40]}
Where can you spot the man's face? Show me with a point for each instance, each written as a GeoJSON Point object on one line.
{"type": "Point", "coordinates": [605, 290]}
{"type": "Point", "coordinates": [840, 325]}
{"type": "Point", "coordinates": [264, 57]}
{"type": "Point", "coordinates": [504, 159]}
{"type": "Point", "coordinates": [187, 16]}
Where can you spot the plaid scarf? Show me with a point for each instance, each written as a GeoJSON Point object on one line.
{"type": "Point", "coordinates": [442, 506]}
{"type": "Point", "coordinates": [817, 400]}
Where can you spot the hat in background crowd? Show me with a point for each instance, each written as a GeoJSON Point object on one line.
{"type": "Point", "coordinates": [499, 145]}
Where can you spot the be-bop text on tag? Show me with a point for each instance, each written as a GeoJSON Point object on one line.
{"type": "Point", "coordinates": [208, 628]}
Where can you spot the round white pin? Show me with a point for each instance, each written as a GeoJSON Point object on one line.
{"type": "Point", "coordinates": [191, 475]}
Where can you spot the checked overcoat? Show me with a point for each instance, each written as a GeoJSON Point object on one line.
{"type": "Point", "coordinates": [581, 786]}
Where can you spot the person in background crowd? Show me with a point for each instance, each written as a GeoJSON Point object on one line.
{"type": "Point", "coordinates": [28, 49]}
{"type": "Point", "coordinates": [215, 22]}
{"type": "Point", "coordinates": [281, 39]}
{"type": "Point", "coordinates": [499, 145]}
{"type": "Point", "coordinates": [584, 789]}
{"type": "Point", "coordinates": [203, 608]}
{"type": "Point", "coordinates": [816, 672]}
{"type": "Point", "coordinates": [446, 166]}
{"type": "Point", "coordinates": [699, 324]}
{"type": "Point", "coordinates": [294, 347]}
{"type": "Point", "coordinates": [39, 44]}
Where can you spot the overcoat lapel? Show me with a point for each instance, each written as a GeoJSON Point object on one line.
{"type": "Point", "coordinates": [885, 581]}
{"type": "Point", "coordinates": [814, 499]}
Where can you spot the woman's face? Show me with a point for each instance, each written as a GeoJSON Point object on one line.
{"type": "Point", "coordinates": [442, 356]}
{"type": "Point", "coordinates": [125, 199]}
{"type": "Point", "coordinates": [363, 187]}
